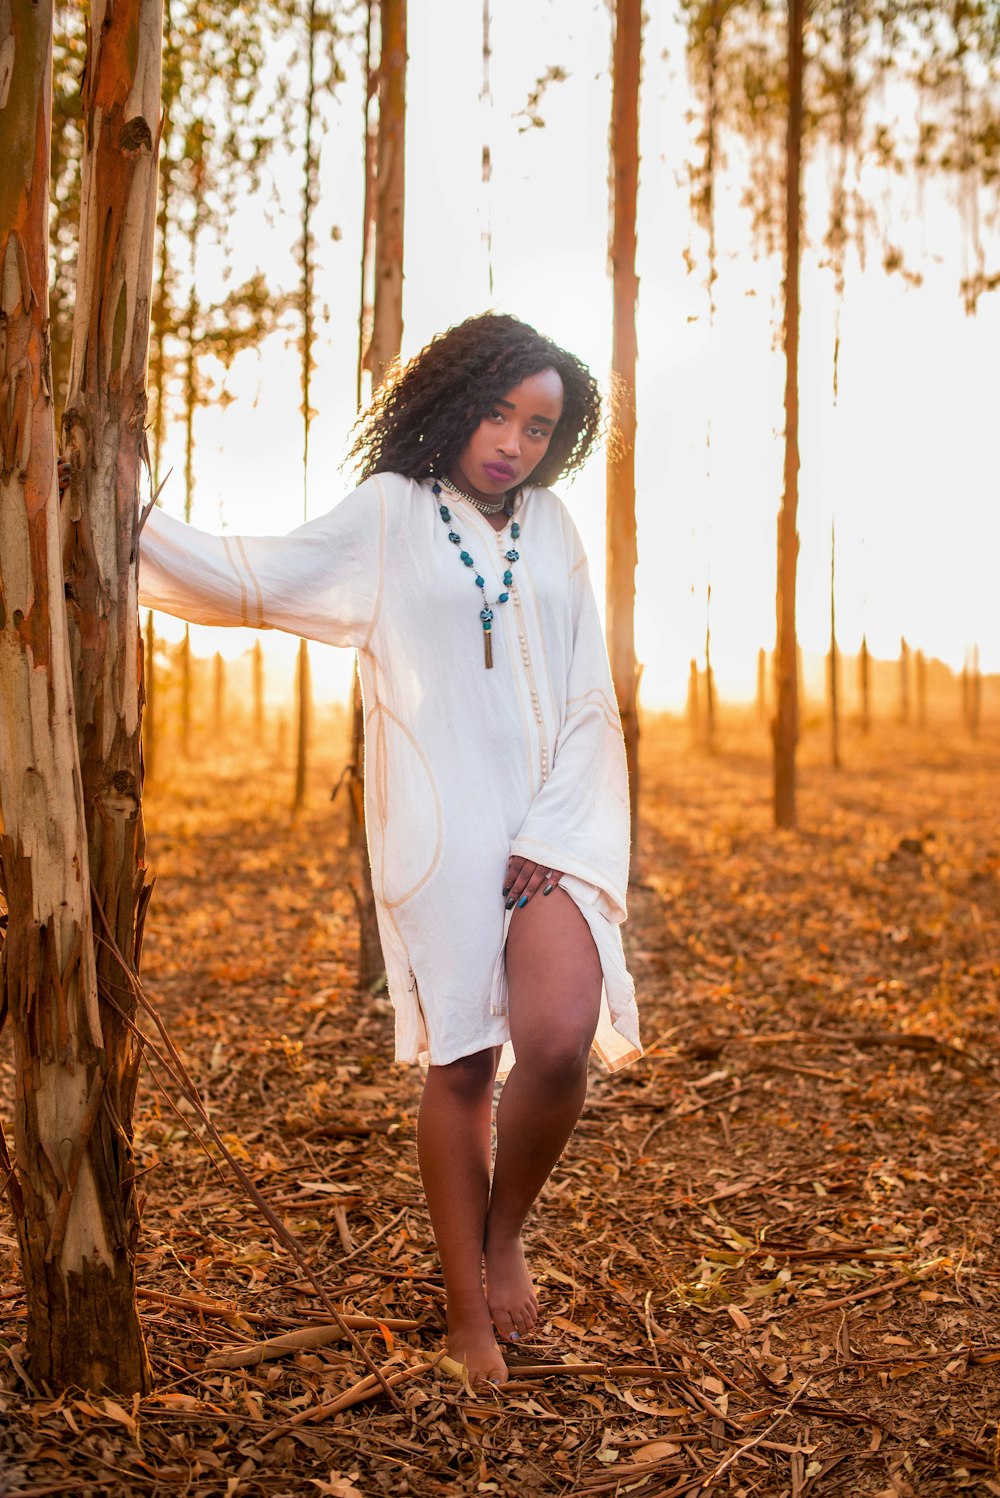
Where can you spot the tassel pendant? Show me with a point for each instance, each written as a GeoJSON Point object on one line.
{"type": "Point", "coordinates": [488, 649]}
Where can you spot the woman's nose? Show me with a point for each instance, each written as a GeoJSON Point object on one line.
{"type": "Point", "coordinates": [510, 444]}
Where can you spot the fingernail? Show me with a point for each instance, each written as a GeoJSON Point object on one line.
{"type": "Point", "coordinates": [522, 901]}
{"type": "Point", "coordinates": [506, 892]}
{"type": "Point", "coordinates": [548, 889]}
{"type": "Point", "coordinates": [509, 905]}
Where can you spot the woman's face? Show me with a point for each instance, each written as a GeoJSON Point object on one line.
{"type": "Point", "coordinates": [511, 439]}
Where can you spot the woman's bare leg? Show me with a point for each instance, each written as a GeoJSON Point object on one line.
{"type": "Point", "coordinates": [453, 1146]}
{"type": "Point", "coordinates": [554, 986]}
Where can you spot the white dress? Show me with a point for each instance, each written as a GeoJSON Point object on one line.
{"type": "Point", "coordinates": [463, 765]}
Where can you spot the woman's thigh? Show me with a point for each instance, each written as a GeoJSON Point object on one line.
{"type": "Point", "coordinates": [553, 977]}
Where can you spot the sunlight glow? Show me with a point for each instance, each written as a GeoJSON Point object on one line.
{"type": "Point", "coordinates": [904, 463]}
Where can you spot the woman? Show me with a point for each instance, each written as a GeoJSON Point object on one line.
{"type": "Point", "coordinates": [495, 786]}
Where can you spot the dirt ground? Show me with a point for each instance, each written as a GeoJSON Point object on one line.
{"type": "Point", "coordinates": [769, 1262]}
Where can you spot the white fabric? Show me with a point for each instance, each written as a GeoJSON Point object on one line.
{"type": "Point", "coordinates": [462, 765]}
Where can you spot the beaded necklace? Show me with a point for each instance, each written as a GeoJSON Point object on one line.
{"type": "Point", "coordinates": [486, 612]}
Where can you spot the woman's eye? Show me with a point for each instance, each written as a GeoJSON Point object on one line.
{"type": "Point", "coordinates": [495, 415]}
{"type": "Point", "coordinates": [536, 432]}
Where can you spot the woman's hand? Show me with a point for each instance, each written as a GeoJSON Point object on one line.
{"type": "Point", "coordinates": [525, 878]}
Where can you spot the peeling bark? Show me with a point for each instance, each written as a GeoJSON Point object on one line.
{"type": "Point", "coordinates": [104, 436]}
{"type": "Point", "coordinates": [62, 1118]}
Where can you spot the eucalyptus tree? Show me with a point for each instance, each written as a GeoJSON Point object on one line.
{"type": "Point", "coordinates": [70, 673]}
{"type": "Point", "coordinates": [385, 156]}
{"type": "Point", "coordinates": [620, 502]}
{"type": "Point", "coordinates": [390, 189]}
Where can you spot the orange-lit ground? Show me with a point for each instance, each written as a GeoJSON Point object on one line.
{"type": "Point", "coordinates": [776, 1237]}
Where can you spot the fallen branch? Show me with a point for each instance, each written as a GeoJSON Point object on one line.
{"type": "Point", "coordinates": [368, 1388]}
{"type": "Point", "coordinates": [252, 1353]}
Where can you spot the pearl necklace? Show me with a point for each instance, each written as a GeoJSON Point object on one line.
{"type": "Point", "coordinates": [486, 612]}
{"type": "Point", "coordinates": [481, 505]}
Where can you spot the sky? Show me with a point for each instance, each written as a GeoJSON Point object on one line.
{"type": "Point", "coordinates": [904, 463]}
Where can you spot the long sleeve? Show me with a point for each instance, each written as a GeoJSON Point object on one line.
{"type": "Point", "coordinates": [322, 581]}
{"type": "Point", "coordinates": [579, 821]}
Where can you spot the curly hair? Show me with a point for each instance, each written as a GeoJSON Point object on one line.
{"type": "Point", "coordinates": [423, 415]}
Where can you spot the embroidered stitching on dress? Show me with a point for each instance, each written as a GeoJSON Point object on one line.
{"type": "Point", "coordinates": [239, 578]}
{"type": "Point", "coordinates": [253, 579]}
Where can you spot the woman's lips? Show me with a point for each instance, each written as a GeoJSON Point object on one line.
{"type": "Point", "coordinates": [498, 471]}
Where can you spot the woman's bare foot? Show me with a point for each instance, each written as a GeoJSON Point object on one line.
{"type": "Point", "coordinates": [471, 1343]}
{"type": "Point", "coordinates": [509, 1292]}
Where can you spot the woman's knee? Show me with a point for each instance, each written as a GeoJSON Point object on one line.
{"type": "Point", "coordinates": [468, 1077]}
{"type": "Point", "coordinates": [558, 1059]}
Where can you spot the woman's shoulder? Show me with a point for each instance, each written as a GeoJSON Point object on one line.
{"type": "Point", "coordinates": [557, 519]}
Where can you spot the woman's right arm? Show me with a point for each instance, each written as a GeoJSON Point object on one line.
{"type": "Point", "coordinates": [323, 580]}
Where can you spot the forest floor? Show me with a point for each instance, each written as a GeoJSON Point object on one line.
{"type": "Point", "coordinates": [769, 1263]}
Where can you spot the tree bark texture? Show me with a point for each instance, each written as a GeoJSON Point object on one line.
{"type": "Point", "coordinates": [387, 329]}
{"type": "Point", "coordinates": [367, 298]}
{"type": "Point", "coordinates": [69, 1242]}
{"type": "Point", "coordinates": [104, 436]}
{"type": "Point", "coordinates": [785, 726]}
{"type": "Point", "coordinates": [309, 191]}
{"type": "Point", "coordinates": [621, 530]}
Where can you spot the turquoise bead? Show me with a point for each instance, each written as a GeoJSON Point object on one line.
{"type": "Point", "coordinates": [508, 577]}
{"type": "Point", "coordinates": [480, 582]}
{"type": "Point", "coordinates": [444, 512]}
{"type": "Point", "coordinates": [466, 558]}
{"type": "Point", "coordinates": [454, 538]}
{"type": "Point", "coordinates": [503, 598]}
{"type": "Point", "coordinates": [512, 555]}
{"type": "Point", "coordinates": [515, 531]}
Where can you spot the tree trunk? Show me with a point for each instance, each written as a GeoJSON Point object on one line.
{"type": "Point", "coordinates": [620, 502]}
{"type": "Point", "coordinates": [186, 693]}
{"type": "Point", "coordinates": [303, 699]}
{"type": "Point", "coordinates": [367, 288]}
{"type": "Point", "coordinates": [387, 331]}
{"type": "Point", "coordinates": [219, 697]}
{"type": "Point", "coordinates": [833, 660]}
{"type": "Point", "coordinates": [71, 1192]}
{"type": "Point", "coordinates": [975, 691]}
{"type": "Point", "coordinates": [904, 681]}
{"type": "Point", "coordinates": [865, 682]}
{"type": "Point", "coordinates": [309, 189]}
{"type": "Point", "coordinates": [785, 727]}
{"type": "Point", "coordinates": [921, 673]}
{"type": "Point", "coordinates": [761, 685]}
{"type": "Point", "coordinates": [710, 744]}
{"type": "Point", "coordinates": [386, 340]}
{"type": "Point", "coordinates": [104, 434]}
{"type": "Point", "coordinates": [691, 710]}
{"type": "Point", "coordinates": [258, 693]}
{"type": "Point", "coordinates": [149, 714]}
